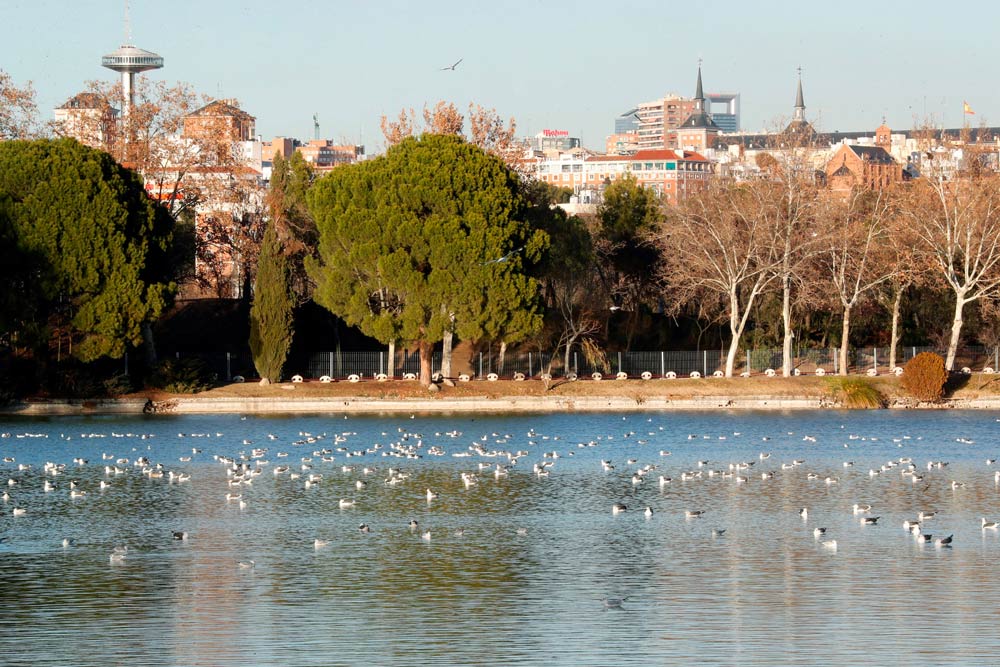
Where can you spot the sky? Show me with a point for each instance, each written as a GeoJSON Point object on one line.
{"type": "Point", "coordinates": [549, 64]}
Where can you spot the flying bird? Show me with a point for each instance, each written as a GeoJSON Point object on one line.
{"type": "Point", "coordinates": [452, 67]}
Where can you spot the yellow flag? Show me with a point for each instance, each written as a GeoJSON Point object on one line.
{"type": "Point", "coordinates": [967, 109]}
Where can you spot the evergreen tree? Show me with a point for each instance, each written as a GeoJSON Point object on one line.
{"type": "Point", "coordinates": [93, 245]}
{"type": "Point", "coordinates": [271, 312]}
{"type": "Point", "coordinates": [428, 237]}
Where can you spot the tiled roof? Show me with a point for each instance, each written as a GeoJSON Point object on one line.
{"type": "Point", "coordinates": [875, 154]}
{"type": "Point", "coordinates": [86, 101]}
{"type": "Point", "coordinates": [220, 108]}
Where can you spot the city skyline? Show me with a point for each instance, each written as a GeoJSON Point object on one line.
{"type": "Point", "coordinates": [559, 65]}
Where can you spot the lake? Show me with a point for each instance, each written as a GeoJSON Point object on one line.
{"type": "Point", "coordinates": [524, 567]}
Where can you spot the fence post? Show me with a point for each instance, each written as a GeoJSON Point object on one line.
{"type": "Point", "coordinates": [833, 354]}
{"type": "Point", "coordinates": [875, 358]}
{"type": "Point", "coordinates": [480, 365]}
{"type": "Point", "coordinates": [619, 362]}
{"type": "Point", "coordinates": [126, 363]}
{"type": "Point", "coordinates": [749, 367]}
{"type": "Point", "coordinates": [576, 366]}
{"type": "Point", "coordinates": [380, 363]}
{"type": "Point", "coordinates": [663, 363]}
{"type": "Point", "coordinates": [530, 374]}
{"type": "Point", "coordinates": [704, 363]}
{"type": "Point", "coordinates": [996, 357]}
{"type": "Point", "coordinates": [229, 368]}
{"type": "Point", "coordinates": [330, 364]}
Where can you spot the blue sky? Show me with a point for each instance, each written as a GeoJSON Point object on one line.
{"type": "Point", "coordinates": [549, 64]}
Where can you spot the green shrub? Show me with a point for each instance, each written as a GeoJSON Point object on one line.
{"type": "Point", "coordinates": [924, 377]}
{"type": "Point", "coordinates": [118, 385]}
{"type": "Point", "coordinates": [856, 392]}
{"type": "Point", "coordinates": [182, 376]}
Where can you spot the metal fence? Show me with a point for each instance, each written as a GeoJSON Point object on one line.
{"type": "Point", "coordinates": [340, 364]}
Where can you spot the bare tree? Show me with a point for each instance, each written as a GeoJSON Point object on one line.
{"type": "Point", "coordinates": [789, 167]}
{"type": "Point", "coordinates": [853, 234]}
{"type": "Point", "coordinates": [957, 230]}
{"type": "Point", "coordinates": [720, 244]}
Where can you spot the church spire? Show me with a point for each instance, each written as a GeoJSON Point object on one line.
{"type": "Point", "coordinates": [699, 95]}
{"type": "Point", "coordinates": [800, 106]}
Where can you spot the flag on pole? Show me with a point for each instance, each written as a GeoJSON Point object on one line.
{"type": "Point", "coordinates": [967, 109]}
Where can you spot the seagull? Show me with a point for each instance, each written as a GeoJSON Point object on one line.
{"type": "Point", "coordinates": [718, 532]}
{"type": "Point", "coordinates": [246, 564]}
{"type": "Point", "coordinates": [649, 512]}
{"type": "Point", "coordinates": [862, 509]}
{"type": "Point", "coordinates": [989, 525]}
{"type": "Point", "coordinates": [180, 535]}
{"type": "Point", "coordinates": [319, 544]}
{"type": "Point", "coordinates": [67, 542]}
{"type": "Point", "coordinates": [613, 603]}
{"type": "Point", "coordinates": [364, 528]}
{"type": "Point", "coordinates": [869, 520]}
{"type": "Point", "coordinates": [618, 508]}
{"type": "Point", "coordinates": [501, 260]}
{"type": "Point", "coordinates": [943, 541]}
{"type": "Point", "coordinates": [693, 514]}
{"type": "Point", "coordinates": [830, 544]}
{"type": "Point", "coordinates": [819, 532]}
{"type": "Point", "coordinates": [452, 67]}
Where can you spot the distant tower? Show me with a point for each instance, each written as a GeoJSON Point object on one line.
{"type": "Point", "coordinates": [130, 60]}
{"type": "Point", "coordinates": [316, 126]}
{"type": "Point", "coordinates": [799, 115]}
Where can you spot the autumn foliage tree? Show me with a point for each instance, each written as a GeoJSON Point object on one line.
{"type": "Point", "coordinates": [428, 237]}
{"type": "Point", "coordinates": [486, 130]}
{"type": "Point", "coordinates": [18, 109]}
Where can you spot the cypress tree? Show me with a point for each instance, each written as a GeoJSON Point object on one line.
{"type": "Point", "coordinates": [271, 312]}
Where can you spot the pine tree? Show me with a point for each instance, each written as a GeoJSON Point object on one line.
{"type": "Point", "coordinates": [271, 313]}
{"type": "Point", "coordinates": [92, 244]}
{"type": "Point", "coordinates": [431, 236]}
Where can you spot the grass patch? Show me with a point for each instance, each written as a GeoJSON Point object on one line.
{"type": "Point", "coordinates": [856, 393]}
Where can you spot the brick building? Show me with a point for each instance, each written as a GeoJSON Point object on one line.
{"type": "Point", "coordinates": [862, 166]}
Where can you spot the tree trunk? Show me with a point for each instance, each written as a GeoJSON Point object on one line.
{"type": "Point", "coordinates": [734, 347]}
{"type": "Point", "coordinates": [569, 348]}
{"type": "Point", "coordinates": [390, 362]}
{"type": "Point", "coordinates": [956, 332]}
{"type": "Point", "coordinates": [894, 339]}
{"type": "Point", "coordinates": [426, 351]}
{"type": "Point", "coordinates": [446, 354]}
{"type": "Point", "coordinates": [786, 320]}
{"type": "Point", "coordinates": [148, 345]}
{"type": "Point", "coordinates": [735, 331]}
{"type": "Point", "coordinates": [503, 353]}
{"type": "Point", "coordinates": [845, 335]}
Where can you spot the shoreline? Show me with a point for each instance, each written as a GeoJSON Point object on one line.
{"type": "Point", "coordinates": [478, 404]}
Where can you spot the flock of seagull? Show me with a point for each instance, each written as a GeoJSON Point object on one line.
{"type": "Point", "coordinates": [495, 456]}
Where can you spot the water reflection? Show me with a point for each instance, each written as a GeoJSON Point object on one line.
{"type": "Point", "coordinates": [528, 579]}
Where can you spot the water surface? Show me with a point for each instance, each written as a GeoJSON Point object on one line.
{"type": "Point", "coordinates": [526, 583]}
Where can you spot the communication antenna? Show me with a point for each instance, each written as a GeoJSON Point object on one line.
{"type": "Point", "coordinates": [128, 25]}
{"type": "Point", "coordinates": [316, 126]}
